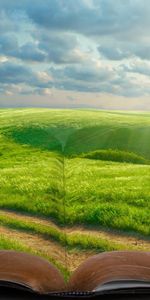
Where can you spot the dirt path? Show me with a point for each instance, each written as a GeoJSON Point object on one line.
{"type": "Point", "coordinates": [48, 248]}
{"type": "Point", "coordinates": [118, 238]}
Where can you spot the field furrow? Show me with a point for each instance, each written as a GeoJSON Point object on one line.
{"type": "Point", "coordinates": [75, 236]}
{"type": "Point", "coordinates": [46, 248]}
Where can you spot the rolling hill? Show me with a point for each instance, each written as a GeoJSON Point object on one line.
{"type": "Point", "coordinates": [82, 176]}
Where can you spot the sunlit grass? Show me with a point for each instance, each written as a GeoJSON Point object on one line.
{"type": "Point", "coordinates": [109, 191]}
{"type": "Point", "coordinates": [113, 195]}
{"type": "Point", "coordinates": [116, 155]}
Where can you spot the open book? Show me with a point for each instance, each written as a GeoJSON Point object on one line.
{"type": "Point", "coordinates": [110, 272]}
{"type": "Point", "coordinates": [74, 147]}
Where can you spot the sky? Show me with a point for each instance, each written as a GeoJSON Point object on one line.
{"type": "Point", "coordinates": [75, 53]}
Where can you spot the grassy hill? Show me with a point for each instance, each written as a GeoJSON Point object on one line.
{"type": "Point", "coordinates": [94, 162]}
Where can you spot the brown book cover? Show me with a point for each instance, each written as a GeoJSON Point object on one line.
{"type": "Point", "coordinates": [100, 274]}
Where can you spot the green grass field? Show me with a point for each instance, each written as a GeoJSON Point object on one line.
{"type": "Point", "coordinates": [97, 163]}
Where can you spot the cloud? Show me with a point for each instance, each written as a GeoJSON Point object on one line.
{"type": "Point", "coordinates": [88, 73]}
{"type": "Point", "coordinates": [60, 49]}
{"type": "Point", "coordinates": [29, 52]}
{"type": "Point", "coordinates": [9, 46]}
{"type": "Point", "coordinates": [91, 78]}
{"type": "Point", "coordinates": [8, 43]}
{"type": "Point", "coordinates": [87, 46]}
{"type": "Point", "coordinates": [139, 67]}
{"type": "Point", "coordinates": [12, 74]}
{"type": "Point", "coordinates": [44, 47]}
{"type": "Point", "coordinates": [87, 17]}
{"type": "Point", "coordinates": [112, 52]}
{"type": "Point", "coordinates": [7, 23]}
{"type": "Point", "coordinates": [126, 50]}
{"type": "Point", "coordinates": [15, 73]}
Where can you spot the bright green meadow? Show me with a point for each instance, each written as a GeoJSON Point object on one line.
{"type": "Point", "coordinates": [85, 168]}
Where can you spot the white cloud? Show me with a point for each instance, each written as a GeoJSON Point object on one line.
{"type": "Point", "coordinates": [3, 59]}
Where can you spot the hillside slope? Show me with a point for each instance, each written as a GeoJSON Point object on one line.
{"type": "Point", "coordinates": [76, 168]}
